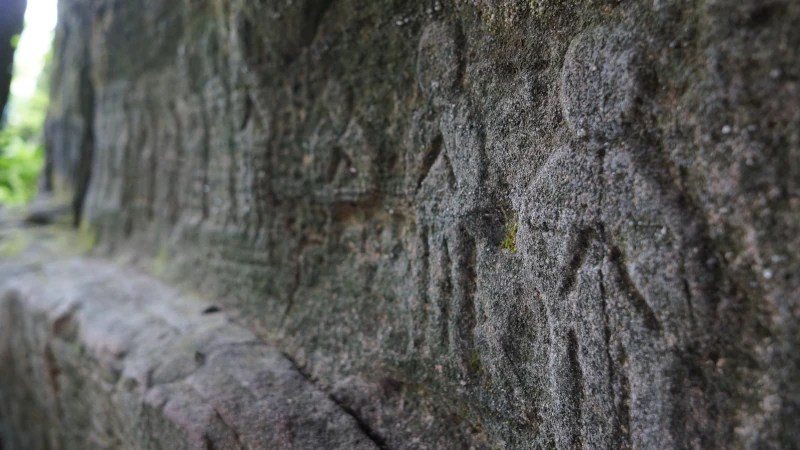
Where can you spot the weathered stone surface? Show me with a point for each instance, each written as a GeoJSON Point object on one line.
{"type": "Point", "coordinates": [96, 356]}
{"type": "Point", "coordinates": [342, 175]}
{"type": "Point", "coordinates": [12, 17]}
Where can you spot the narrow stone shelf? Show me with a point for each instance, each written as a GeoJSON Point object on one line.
{"type": "Point", "coordinates": [97, 355]}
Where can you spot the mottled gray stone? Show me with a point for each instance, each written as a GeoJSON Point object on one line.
{"type": "Point", "coordinates": [603, 82]}
{"type": "Point", "coordinates": [341, 176]}
{"type": "Point", "coordinates": [97, 356]}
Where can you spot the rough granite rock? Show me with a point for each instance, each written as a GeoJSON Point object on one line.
{"type": "Point", "coordinates": [101, 357]}
{"type": "Point", "coordinates": [476, 224]}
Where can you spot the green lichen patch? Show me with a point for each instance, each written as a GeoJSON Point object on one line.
{"type": "Point", "coordinates": [475, 363]}
{"type": "Point", "coordinates": [510, 241]}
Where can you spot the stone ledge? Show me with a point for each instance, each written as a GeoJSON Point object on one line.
{"type": "Point", "coordinates": [94, 355]}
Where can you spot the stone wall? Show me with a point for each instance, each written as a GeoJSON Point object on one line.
{"type": "Point", "coordinates": [475, 224]}
{"type": "Point", "coordinates": [95, 356]}
{"type": "Point", "coordinates": [12, 13]}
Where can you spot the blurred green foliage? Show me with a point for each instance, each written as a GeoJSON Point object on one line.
{"type": "Point", "coordinates": [21, 143]}
{"type": "Point", "coordinates": [20, 164]}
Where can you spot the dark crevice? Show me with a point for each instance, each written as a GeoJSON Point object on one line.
{"type": "Point", "coordinates": [628, 288]}
{"type": "Point", "coordinates": [425, 297]}
{"type": "Point", "coordinates": [519, 324]}
{"type": "Point", "coordinates": [336, 156]}
{"type": "Point", "coordinates": [152, 167]}
{"type": "Point", "coordinates": [431, 155]}
{"type": "Point", "coordinates": [612, 375]}
{"type": "Point", "coordinates": [316, 12]}
{"type": "Point", "coordinates": [83, 170]}
{"type": "Point", "coordinates": [424, 278]}
{"type": "Point", "coordinates": [461, 46]}
{"type": "Point", "coordinates": [248, 112]}
{"type": "Point", "coordinates": [451, 176]}
{"type": "Point", "coordinates": [691, 402]}
{"type": "Point", "coordinates": [247, 38]}
{"type": "Point", "coordinates": [601, 170]}
{"type": "Point", "coordinates": [212, 309]}
{"type": "Point", "coordinates": [687, 291]}
{"type": "Point", "coordinates": [53, 372]}
{"type": "Point", "coordinates": [762, 15]}
{"type": "Point", "coordinates": [581, 249]}
{"type": "Point", "coordinates": [445, 295]}
{"type": "Point", "coordinates": [128, 177]}
{"type": "Point", "coordinates": [233, 209]}
{"type": "Point", "coordinates": [205, 157]}
{"type": "Point", "coordinates": [174, 193]}
{"type": "Point", "coordinates": [233, 154]}
{"type": "Point", "coordinates": [465, 270]}
{"type": "Point", "coordinates": [297, 280]}
{"type": "Point", "coordinates": [622, 430]}
{"type": "Point", "coordinates": [573, 353]}
{"type": "Point", "coordinates": [208, 441]}
{"type": "Point", "coordinates": [373, 435]}
{"type": "Point", "coordinates": [229, 427]}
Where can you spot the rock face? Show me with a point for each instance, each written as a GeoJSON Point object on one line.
{"type": "Point", "coordinates": [12, 14]}
{"type": "Point", "coordinates": [113, 359]}
{"type": "Point", "coordinates": [475, 224]}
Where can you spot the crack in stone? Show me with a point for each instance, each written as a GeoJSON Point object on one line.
{"type": "Point", "coordinates": [373, 435]}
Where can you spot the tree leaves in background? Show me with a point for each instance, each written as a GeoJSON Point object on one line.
{"type": "Point", "coordinates": [21, 143]}
{"type": "Point", "coordinates": [21, 162]}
